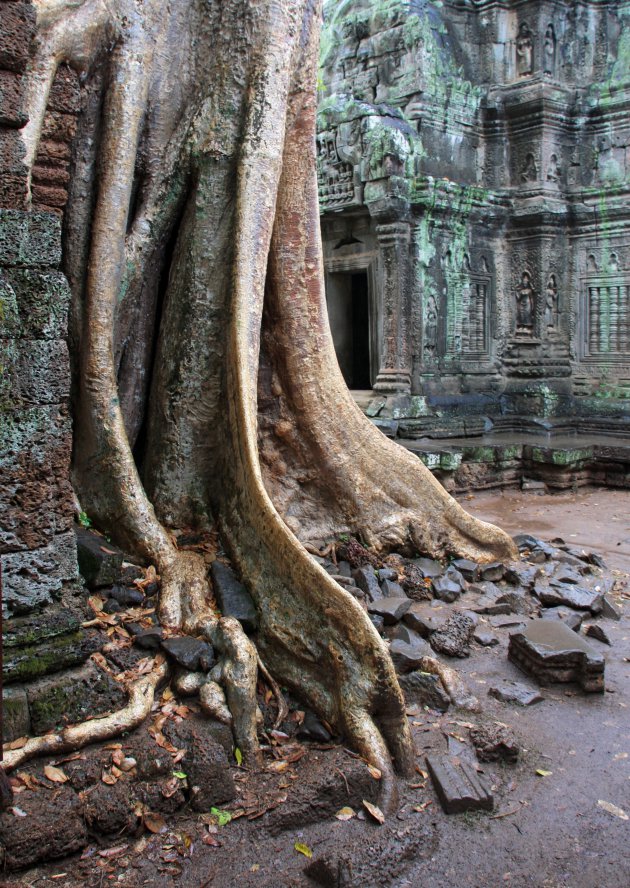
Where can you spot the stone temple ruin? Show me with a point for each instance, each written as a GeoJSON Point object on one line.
{"type": "Point", "coordinates": [473, 178]}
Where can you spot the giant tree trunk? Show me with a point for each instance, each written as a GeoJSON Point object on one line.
{"type": "Point", "coordinates": [208, 129]}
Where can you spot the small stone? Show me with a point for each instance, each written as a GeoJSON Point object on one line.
{"type": "Point", "coordinates": [390, 609]}
{"type": "Point", "coordinates": [595, 631]}
{"type": "Point", "coordinates": [100, 562]}
{"type": "Point", "coordinates": [112, 606]}
{"type": "Point", "coordinates": [126, 595]}
{"type": "Point", "coordinates": [344, 582]}
{"type": "Point", "coordinates": [424, 689]}
{"type": "Point", "coordinates": [458, 787]}
{"type": "Point", "coordinates": [566, 574]}
{"type": "Point", "coordinates": [189, 652]}
{"type": "Point", "coordinates": [446, 589]}
{"type": "Point", "coordinates": [421, 620]}
{"type": "Point", "coordinates": [569, 595]}
{"type": "Point", "coordinates": [572, 619]}
{"type": "Point", "coordinates": [366, 580]}
{"type": "Point", "coordinates": [147, 639]}
{"type": "Point", "coordinates": [453, 639]}
{"type": "Point", "coordinates": [494, 743]}
{"type": "Point", "coordinates": [610, 609]}
{"type": "Point", "coordinates": [151, 590]}
{"type": "Point", "coordinates": [377, 621]}
{"type": "Point", "coordinates": [232, 597]}
{"type": "Point", "coordinates": [517, 603]}
{"type": "Point", "coordinates": [514, 692]}
{"type": "Point", "coordinates": [408, 655]}
{"type": "Point", "coordinates": [428, 567]}
{"type": "Point", "coordinates": [388, 573]}
{"type": "Point", "coordinates": [313, 729]}
{"type": "Point", "coordinates": [391, 589]}
{"type": "Point", "coordinates": [485, 638]}
{"type": "Point", "coordinates": [506, 622]}
{"type": "Point", "coordinates": [517, 573]}
{"type": "Point", "coordinates": [528, 544]}
{"type": "Point", "coordinates": [344, 569]}
{"type": "Point", "coordinates": [492, 572]}
{"type": "Point", "coordinates": [468, 569]}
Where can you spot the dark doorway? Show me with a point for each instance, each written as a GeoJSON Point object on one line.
{"type": "Point", "coordinates": [349, 314]}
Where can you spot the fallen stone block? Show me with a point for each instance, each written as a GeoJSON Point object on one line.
{"type": "Point", "coordinates": [492, 572]}
{"type": "Point", "coordinates": [569, 595]}
{"type": "Point", "coordinates": [425, 689]}
{"type": "Point", "coordinates": [610, 609]}
{"type": "Point", "coordinates": [572, 619]}
{"type": "Point", "coordinates": [454, 638]}
{"type": "Point", "coordinates": [468, 569]}
{"type": "Point", "coordinates": [392, 589]}
{"type": "Point", "coordinates": [420, 618]}
{"type": "Point", "coordinates": [232, 597]}
{"type": "Point", "coordinates": [390, 609]}
{"type": "Point", "coordinates": [485, 638]}
{"type": "Point", "coordinates": [446, 589]}
{"type": "Point", "coordinates": [494, 742]}
{"type": "Point", "coordinates": [191, 653]}
{"type": "Point", "coordinates": [366, 580]}
{"type": "Point", "coordinates": [551, 652]}
{"type": "Point", "coordinates": [458, 787]}
{"type": "Point", "coordinates": [408, 655]}
{"type": "Point", "coordinates": [100, 562]}
{"type": "Point", "coordinates": [514, 692]}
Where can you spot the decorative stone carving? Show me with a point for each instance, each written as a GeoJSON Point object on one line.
{"type": "Point", "coordinates": [395, 371]}
{"type": "Point", "coordinates": [549, 51]}
{"type": "Point", "coordinates": [551, 304]}
{"type": "Point", "coordinates": [467, 313]}
{"type": "Point", "coordinates": [525, 305]}
{"type": "Point", "coordinates": [524, 51]}
{"type": "Point", "coordinates": [553, 169]}
{"type": "Point", "coordinates": [431, 328]}
{"type": "Point", "coordinates": [529, 170]}
{"type": "Point", "coordinates": [606, 310]}
{"type": "Point", "coordinates": [336, 176]}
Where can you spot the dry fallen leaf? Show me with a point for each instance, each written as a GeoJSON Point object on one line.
{"type": "Point", "coordinates": [303, 849]}
{"type": "Point", "coordinates": [613, 809]}
{"type": "Point", "coordinates": [55, 774]}
{"type": "Point", "coordinates": [108, 778]}
{"type": "Point", "coordinates": [345, 813]}
{"type": "Point", "coordinates": [374, 811]}
{"type": "Point", "coordinates": [154, 822]}
{"type": "Point", "coordinates": [16, 744]}
{"type": "Point", "coordinates": [277, 767]}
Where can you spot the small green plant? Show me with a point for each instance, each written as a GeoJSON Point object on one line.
{"type": "Point", "coordinates": [84, 520]}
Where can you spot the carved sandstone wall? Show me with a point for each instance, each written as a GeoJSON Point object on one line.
{"type": "Point", "coordinates": [37, 542]}
{"type": "Point", "coordinates": [474, 162]}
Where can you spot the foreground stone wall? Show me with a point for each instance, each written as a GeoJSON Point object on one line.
{"type": "Point", "coordinates": [37, 542]}
{"type": "Point", "coordinates": [474, 164]}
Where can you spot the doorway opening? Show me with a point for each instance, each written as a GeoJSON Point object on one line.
{"type": "Point", "coordinates": [349, 314]}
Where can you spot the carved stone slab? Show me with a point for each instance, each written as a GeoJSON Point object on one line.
{"type": "Point", "coordinates": [458, 787]}
{"type": "Point", "coordinates": [551, 652]}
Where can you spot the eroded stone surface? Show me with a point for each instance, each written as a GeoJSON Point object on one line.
{"type": "Point", "coordinates": [551, 652]}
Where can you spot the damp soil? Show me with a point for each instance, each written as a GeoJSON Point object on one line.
{"type": "Point", "coordinates": [546, 831]}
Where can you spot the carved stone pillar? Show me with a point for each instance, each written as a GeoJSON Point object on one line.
{"type": "Point", "coordinates": [395, 360]}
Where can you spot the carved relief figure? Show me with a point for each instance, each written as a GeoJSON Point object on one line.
{"type": "Point", "coordinates": [529, 170]}
{"type": "Point", "coordinates": [549, 55]}
{"type": "Point", "coordinates": [525, 301]}
{"type": "Point", "coordinates": [430, 327]}
{"type": "Point", "coordinates": [524, 51]}
{"type": "Point", "coordinates": [553, 170]}
{"type": "Point", "coordinates": [551, 303]}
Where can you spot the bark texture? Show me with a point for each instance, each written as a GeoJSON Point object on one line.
{"type": "Point", "coordinates": [201, 320]}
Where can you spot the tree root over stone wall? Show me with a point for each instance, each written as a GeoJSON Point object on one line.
{"type": "Point", "coordinates": [207, 139]}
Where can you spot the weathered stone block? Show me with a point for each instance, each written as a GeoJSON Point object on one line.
{"type": "Point", "coordinates": [29, 239]}
{"type": "Point", "coordinates": [71, 697]}
{"type": "Point", "coordinates": [34, 578]}
{"type": "Point", "coordinates": [391, 609]}
{"type": "Point", "coordinates": [458, 788]}
{"type": "Point", "coordinates": [40, 644]}
{"type": "Point", "coordinates": [16, 720]}
{"type": "Point", "coordinates": [18, 28]}
{"type": "Point", "coordinates": [35, 303]}
{"type": "Point", "coordinates": [100, 562]}
{"type": "Point", "coordinates": [11, 98]}
{"type": "Point", "coordinates": [232, 597]}
{"type": "Point", "coordinates": [35, 373]}
{"type": "Point", "coordinates": [65, 93]}
{"type": "Point", "coordinates": [551, 652]}
{"type": "Point", "coordinates": [425, 689]}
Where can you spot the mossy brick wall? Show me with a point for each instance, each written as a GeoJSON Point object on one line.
{"type": "Point", "coordinates": [37, 544]}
